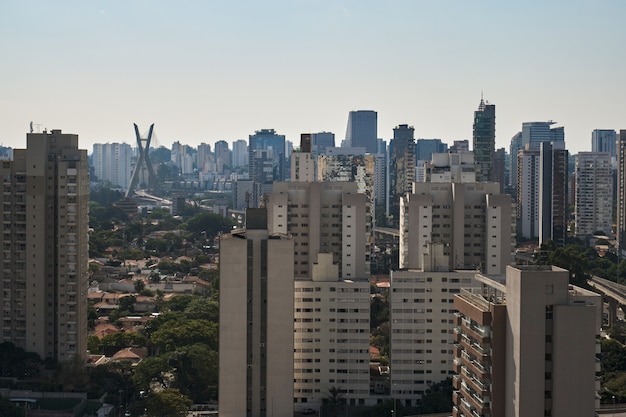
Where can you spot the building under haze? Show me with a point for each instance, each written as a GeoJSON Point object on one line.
{"type": "Point", "coordinates": [594, 193]}
{"type": "Point", "coordinates": [112, 163]}
{"type": "Point", "coordinates": [621, 190]}
{"type": "Point", "coordinates": [553, 192]}
{"type": "Point", "coordinates": [223, 157]}
{"type": "Point", "coordinates": [320, 141]}
{"type": "Point", "coordinates": [604, 140]}
{"type": "Point", "coordinates": [240, 153]}
{"type": "Point", "coordinates": [401, 166]}
{"type": "Point", "coordinates": [362, 130]}
{"type": "Point", "coordinates": [45, 263]}
{"type": "Point", "coordinates": [485, 140]}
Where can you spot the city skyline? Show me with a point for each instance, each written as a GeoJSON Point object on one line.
{"type": "Point", "coordinates": [209, 71]}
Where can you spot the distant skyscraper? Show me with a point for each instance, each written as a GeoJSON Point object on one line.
{"type": "Point", "coordinates": [240, 153]}
{"type": "Point", "coordinates": [516, 146]}
{"type": "Point", "coordinates": [459, 146]}
{"type": "Point", "coordinates": [205, 159]}
{"type": "Point", "coordinates": [499, 169]}
{"type": "Point", "coordinates": [535, 133]}
{"type": "Point", "coordinates": [621, 191]}
{"type": "Point", "coordinates": [320, 141]}
{"type": "Point", "coordinates": [222, 156]}
{"type": "Point", "coordinates": [45, 236]}
{"type": "Point", "coordinates": [531, 137]}
{"type": "Point", "coordinates": [112, 163]}
{"type": "Point", "coordinates": [485, 139]}
{"type": "Point", "coordinates": [553, 192]}
{"type": "Point", "coordinates": [542, 192]}
{"type": "Point", "coordinates": [362, 130]}
{"type": "Point", "coordinates": [604, 140]}
{"type": "Point", "coordinates": [594, 193]}
{"type": "Point", "coordinates": [527, 202]}
{"type": "Point", "coordinates": [402, 166]}
{"type": "Point", "coordinates": [268, 139]}
{"type": "Point", "coordinates": [425, 148]}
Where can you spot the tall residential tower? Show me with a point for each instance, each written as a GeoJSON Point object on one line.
{"type": "Point", "coordinates": [45, 207]}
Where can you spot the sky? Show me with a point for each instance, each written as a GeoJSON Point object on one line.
{"type": "Point", "coordinates": [204, 70]}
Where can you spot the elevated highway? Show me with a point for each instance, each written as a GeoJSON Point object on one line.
{"type": "Point", "coordinates": [616, 294]}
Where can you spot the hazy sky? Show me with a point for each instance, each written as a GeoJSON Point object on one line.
{"type": "Point", "coordinates": [209, 70]}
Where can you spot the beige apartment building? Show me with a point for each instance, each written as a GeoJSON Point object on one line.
{"type": "Point", "coordinates": [526, 345]}
{"type": "Point", "coordinates": [422, 327]}
{"type": "Point", "coordinates": [256, 321]}
{"type": "Point", "coordinates": [45, 204]}
{"type": "Point", "coordinates": [331, 300]}
{"type": "Point", "coordinates": [322, 217]}
{"type": "Point", "coordinates": [472, 219]}
{"type": "Point", "coordinates": [451, 228]}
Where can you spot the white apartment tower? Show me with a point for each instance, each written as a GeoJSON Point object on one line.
{"type": "Point", "coordinates": [45, 207]}
{"type": "Point", "coordinates": [331, 268]}
{"type": "Point", "coordinates": [256, 321]}
{"type": "Point", "coordinates": [594, 193]}
{"type": "Point", "coordinates": [112, 163]}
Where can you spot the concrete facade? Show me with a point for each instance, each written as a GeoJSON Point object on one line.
{"type": "Point", "coordinates": [594, 193]}
{"type": "Point", "coordinates": [472, 220]}
{"type": "Point", "coordinates": [256, 321]}
{"type": "Point", "coordinates": [45, 233]}
{"type": "Point", "coordinates": [549, 341]}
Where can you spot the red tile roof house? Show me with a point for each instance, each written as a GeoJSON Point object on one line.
{"type": "Point", "coordinates": [131, 354]}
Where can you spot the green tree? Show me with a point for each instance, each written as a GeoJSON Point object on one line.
{"type": "Point", "coordinates": [437, 398]}
{"type": "Point", "coordinates": [124, 339]}
{"type": "Point", "coordinates": [113, 379]}
{"type": "Point", "coordinates": [167, 403]}
{"type": "Point", "coordinates": [152, 370]}
{"type": "Point", "coordinates": [16, 362]}
{"type": "Point", "coordinates": [196, 372]}
{"type": "Point", "coordinates": [210, 223]}
{"type": "Point", "coordinates": [139, 285]}
{"type": "Point", "coordinates": [72, 374]}
{"type": "Point", "coordinates": [613, 356]}
{"type": "Point", "coordinates": [180, 302]}
{"type": "Point", "coordinates": [9, 409]}
{"type": "Point", "coordinates": [127, 303]}
{"type": "Point", "coordinates": [176, 334]}
{"type": "Point", "coordinates": [200, 308]}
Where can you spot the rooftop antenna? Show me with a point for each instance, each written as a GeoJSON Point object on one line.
{"type": "Point", "coordinates": [36, 125]}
